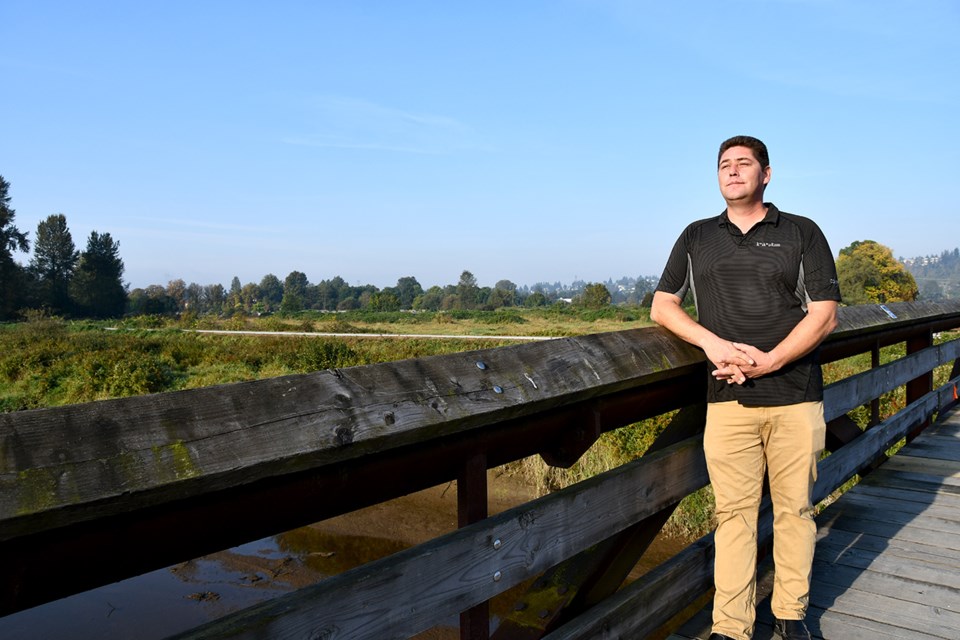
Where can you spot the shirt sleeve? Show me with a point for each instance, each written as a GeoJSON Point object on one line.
{"type": "Point", "coordinates": [675, 278]}
{"type": "Point", "coordinates": [819, 268]}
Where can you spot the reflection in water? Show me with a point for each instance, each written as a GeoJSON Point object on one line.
{"type": "Point", "coordinates": [172, 600]}
{"type": "Point", "coordinates": [329, 554]}
{"type": "Point", "coordinates": [167, 601]}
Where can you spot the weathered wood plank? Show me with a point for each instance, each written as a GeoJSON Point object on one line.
{"type": "Point", "coordinates": [865, 551]}
{"type": "Point", "coordinates": [893, 612]}
{"type": "Point", "coordinates": [938, 448]}
{"type": "Point", "coordinates": [930, 531]}
{"type": "Point", "coordinates": [834, 625]}
{"type": "Point", "coordinates": [905, 461]}
{"type": "Point", "coordinates": [947, 484]}
{"type": "Point", "coordinates": [940, 499]}
{"type": "Point", "coordinates": [870, 318]}
{"type": "Point", "coordinates": [905, 507]}
{"type": "Point", "coordinates": [597, 572]}
{"type": "Point", "coordinates": [949, 427]}
{"type": "Point", "coordinates": [858, 455]}
{"type": "Point", "coordinates": [909, 587]}
{"type": "Point", "coordinates": [834, 545]}
{"type": "Point", "coordinates": [417, 588]}
{"type": "Point", "coordinates": [849, 393]}
{"type": "Point", "coordinates": [887, 561]}
{"type": "Point", "coordinates": [144, 450]}
{"type": "Point", "coordinates": [870, 323]}
{"type": "Point", "coordinates": [910, 482]}
{"type": "Point", "coordinates": [638, 609]}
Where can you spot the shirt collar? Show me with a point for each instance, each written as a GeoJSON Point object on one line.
{"type": "Point", "coordinates": [772, 217]}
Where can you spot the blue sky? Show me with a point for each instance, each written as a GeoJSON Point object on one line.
{"type": "Point", "coordinates": [525, 140]}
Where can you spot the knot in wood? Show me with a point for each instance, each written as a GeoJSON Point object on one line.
{"type": "Point", "coordinates": [344, 435]}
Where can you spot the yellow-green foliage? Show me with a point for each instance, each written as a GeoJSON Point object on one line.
{"type": "Point", "coordinates": [869, 273]}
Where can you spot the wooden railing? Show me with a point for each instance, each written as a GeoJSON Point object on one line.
{"type": "Point", "coordinates": [86, 489]}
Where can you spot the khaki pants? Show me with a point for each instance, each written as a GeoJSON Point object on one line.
{"type": "Point", "coordinates": [740, 444]}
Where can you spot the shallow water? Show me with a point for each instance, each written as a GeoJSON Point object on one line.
{"type": "Point", "coordinates": [159, 603]}
{"type": "Point", "coordinates": [171, 600]}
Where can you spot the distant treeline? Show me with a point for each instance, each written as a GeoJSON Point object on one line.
{"type": "Point", "coordinates": [63, 281]}
{"type": "Point", "coordinates": [296, 293]}
{"type": "Point", "coordinates": [937, 276]}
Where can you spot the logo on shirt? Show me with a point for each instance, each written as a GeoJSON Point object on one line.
{"type": "Point", "coordinates": [768, 244]}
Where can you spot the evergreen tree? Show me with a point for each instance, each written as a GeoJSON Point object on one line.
{"type": "Point", "coordinates": [467, 291]}
{"type": "Point", "coordinates": [97, 286]}
{"type": "Point", "coordinates": [12, 277]}
{"type": "Point", "coordinates": [271, 292]}
{"type": "Point", "coordinates": [54, 261]}
{"type": "Point", "coordinates": [236, 294]}
{"type": "Point", "coordinates": [214, 298]}
{"type": "Point", "coordinates": [595, 296]}
{"type": "Point", "coordinates": [407, 290]}
{"type": "Point", "coordinates": [294, 292]}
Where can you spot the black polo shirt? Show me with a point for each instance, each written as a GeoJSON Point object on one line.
{"type": "Point", "coordinates": [754, 288]}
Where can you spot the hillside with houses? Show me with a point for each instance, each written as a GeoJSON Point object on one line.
{"type": "Point", "coordinates": [937, 276]}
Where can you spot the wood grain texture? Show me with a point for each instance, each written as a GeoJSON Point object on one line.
{"type": "Point", "coordinates": [135, 452]}
{"type": "Point", "coordinates": [849, 393]}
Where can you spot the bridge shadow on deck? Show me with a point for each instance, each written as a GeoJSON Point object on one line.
{"type": "Point", "coordinates": [887, 563]}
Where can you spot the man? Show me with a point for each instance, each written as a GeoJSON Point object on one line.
{"type": "Point", "coordinates": [765, 286]}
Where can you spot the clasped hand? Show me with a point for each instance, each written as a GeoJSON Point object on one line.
{"type": "Point", "coordinates": [736, 361]}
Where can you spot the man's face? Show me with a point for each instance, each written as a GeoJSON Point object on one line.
{"type": "Point", "coordinates": [741, 177]}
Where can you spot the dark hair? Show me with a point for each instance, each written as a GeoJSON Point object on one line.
{"type": "Point", "coordinates": [759, 149]}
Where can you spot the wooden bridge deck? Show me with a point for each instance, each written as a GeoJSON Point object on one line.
{"type": "Point", "coordinates": [887, 563]}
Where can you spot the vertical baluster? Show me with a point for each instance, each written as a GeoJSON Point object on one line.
{"type": "Point", "coordinates": [471, 507]}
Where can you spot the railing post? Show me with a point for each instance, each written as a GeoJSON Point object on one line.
{"type": "Point", "coordinates": [875, 403]}
{"type": "Point", "coordinates": [922, 384]}
{"type": "Point", "coordinates": [472, 507]}
{"type": "Point", "coordinates": [573, 586]}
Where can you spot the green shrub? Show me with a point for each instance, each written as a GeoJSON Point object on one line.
{"type": "Point", "coordinates": [137, 376]}
{"type": "Point", "coordinates": [315, 354]}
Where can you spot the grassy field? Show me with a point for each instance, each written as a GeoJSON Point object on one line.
{"type": "Point", "coordinates": [545, 322]}
{"type": "Point", "coordinates": [47, 362]}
